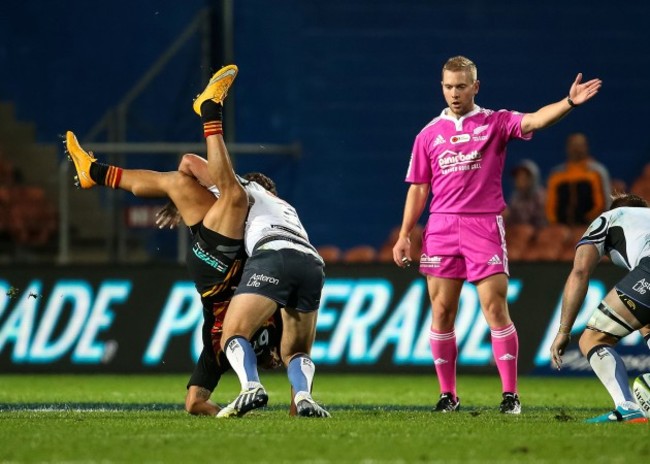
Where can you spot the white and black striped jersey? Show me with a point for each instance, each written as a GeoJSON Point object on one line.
{"type": "Point", "coordinates": [622, 233]}
{"type": "Point", "coordinates": [271, 219]}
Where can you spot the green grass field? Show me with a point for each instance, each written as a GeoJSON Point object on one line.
{"type": "Point", "coordinates": [56, 418]}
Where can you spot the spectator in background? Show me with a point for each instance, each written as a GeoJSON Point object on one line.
{"type": "Point", "coordinates": [527, 202]}
{"type": "Point", "coordinates": [579, 189]}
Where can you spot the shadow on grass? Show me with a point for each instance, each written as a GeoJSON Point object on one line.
{"type": "Point", "coordinates": [474, 411]}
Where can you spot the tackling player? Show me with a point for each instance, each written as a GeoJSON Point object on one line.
{"type": "Point", "coordinates": [283, 271]}
{"type": "Point", "coordinates": [459, 158]}
{"type": "Point", "coordinates": [622, 233]}
{"type": "Point", "coordinates": [215, 260]}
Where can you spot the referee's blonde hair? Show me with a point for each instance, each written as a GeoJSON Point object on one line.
{"type": "Point", "coordinates": [461, 63]}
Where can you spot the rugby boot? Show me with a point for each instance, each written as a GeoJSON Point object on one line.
{"type": "Point", "coordinates": [217, 87]}
{"type": "Point", "coordinates": [81, 159]}
{"type": "Point", "coordinates": [307, 407]}
{"type": "Point", "coordinates": [620, 414]}
{"type": "Point", "coordinates": [250, 399]}
{"type": "Point", "coordinates": [447, 403]}
{"type": "Point", "coordinates": [510, 404]}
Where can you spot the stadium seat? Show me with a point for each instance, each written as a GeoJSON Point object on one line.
{"type": "Point", "coordinates": [32, 218]}
{"type": "Point", "coordinates": [329, 253]}
{"type": "Point", "coordinates": [360, 254]}
{"type": "Point", "coordinates": [518, 239]}
{"type": "Point", "coordinates": [549, 243]}
{"type": "Point", "coordinates": [575, 234]}
{"type": "Point", "coordinates": [386, 251]}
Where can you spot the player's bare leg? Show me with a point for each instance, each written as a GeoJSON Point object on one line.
{"type": "Point", "coordinates": [645, 333]}
{"type": "Point", "coordinates": [192, 200]}
{"type": "Point", "coordinates": [246, 313]}
{"type": "Point", "coordinates": [227, 218]}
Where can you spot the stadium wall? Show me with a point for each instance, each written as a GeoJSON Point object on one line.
{"type": "Point", "coordinates": [373, 318]}
{"type": "Point", "coordinates": [352, 80]}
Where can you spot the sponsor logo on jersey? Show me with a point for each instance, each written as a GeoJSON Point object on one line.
{"type": "Point", "coordinates": [451, 161]}
{"type": "Point", "coordinates": [430, 261]}
{"type": "Point", "coordinates": [439, 139]}
{"type": "Point", "coordinates": [256, 280]}
{"type": "Point", "coordinates": [641, 286]}
{"type": "Point", "coordinates": [462, 138]}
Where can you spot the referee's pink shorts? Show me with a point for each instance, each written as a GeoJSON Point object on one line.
{"type": "Point", "coordinates": [464, 246]}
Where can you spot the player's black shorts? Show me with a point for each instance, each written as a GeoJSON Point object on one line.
{"type": "Point", "coordinates": [291, 278]}
{"type": "Point", "coordinates": [215, 262]}
{"type": "Point", "coordinates": [208, 371]}
{"type": "Point", "coordinates": [634, 291]}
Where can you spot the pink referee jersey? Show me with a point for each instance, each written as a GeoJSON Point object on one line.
{"type": "Point", "coordinates": [463, 160]}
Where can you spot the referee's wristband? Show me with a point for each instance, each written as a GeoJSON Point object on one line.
{"type": "Point", "coordinates": [570, 102]}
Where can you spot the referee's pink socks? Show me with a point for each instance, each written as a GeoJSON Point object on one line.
{"type": "Point", "coordinates": [445, 353]}
{"type": "Point", "coordinates": [505, 347]}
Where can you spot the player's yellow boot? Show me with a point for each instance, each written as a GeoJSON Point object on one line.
{"type": "Point", "coordinates": [217, 88]}
{"type": "Point", "coordinates": [81, 159]}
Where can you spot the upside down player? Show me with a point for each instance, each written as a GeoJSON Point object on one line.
{"type": "Point", "coordinates": [623, 233]}
{"type": "Point", "coordinates": [215, 260]}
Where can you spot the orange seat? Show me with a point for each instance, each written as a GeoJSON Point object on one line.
{"type": "Point", "coordinates": [518, 240]}
{"type": "Point", "coordinates": [549, 243]}
{"type": "Point", "coordinates": [360, 254]}
{"type": "Point", "coordinates": [386, 251]}
{"type": "Point", "coordinates": [575, 234]}
{"type": "Point", "coordinates": [32, 218]}
{"type": "Point", "coordinates": [329, 253]}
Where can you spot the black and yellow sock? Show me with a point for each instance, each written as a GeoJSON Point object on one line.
{"type": "Point", "coordinates": [105, 174]}
{"type": "Point", "coordinates": [211, 115]}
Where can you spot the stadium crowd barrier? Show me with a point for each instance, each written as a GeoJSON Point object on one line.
{"type": "Point", "coordinates": [373, 318]}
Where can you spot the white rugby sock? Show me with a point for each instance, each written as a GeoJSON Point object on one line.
{"type": "Point", "coordinates": [242, 359]}
{"type": "Point", "coordinates": [610, 369]}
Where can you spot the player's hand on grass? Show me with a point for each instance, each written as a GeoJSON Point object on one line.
{"type": "Point", "coordinates": [168, 216]}
{"type": "Point", "coordinates": [557, 348]}
{"type": "Point", "coordinates": [580, 92]}
{"type": "Point", "coordinates": [402, 252]}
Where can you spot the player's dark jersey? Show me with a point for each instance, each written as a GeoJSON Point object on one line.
{"type": "Point", "coordinates": [622, 233]}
